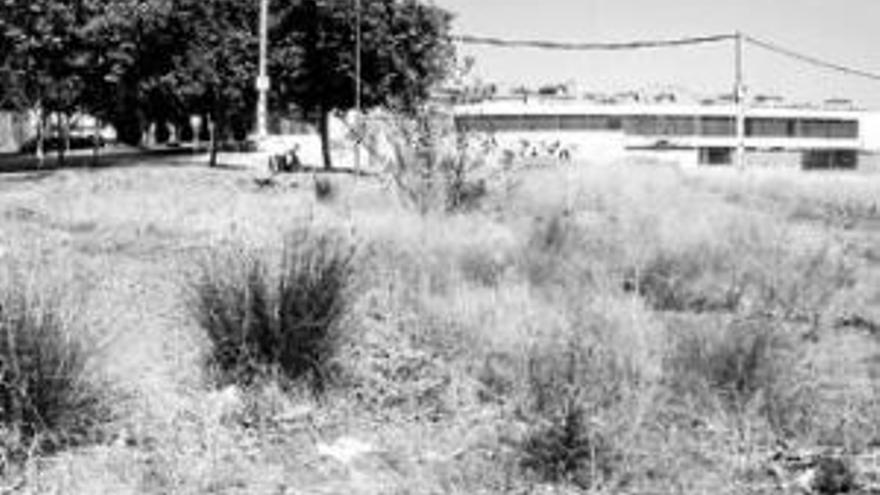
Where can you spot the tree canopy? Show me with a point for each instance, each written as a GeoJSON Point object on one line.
{"type": "Point", "coordinates": [405, 50]}
{"type": "Point", "coordinates": [131, 62]}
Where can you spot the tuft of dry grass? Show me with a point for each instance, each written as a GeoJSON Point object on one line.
{"type": "Point", "coordinates": [275, 319]}
{"type": "Point", "coordinates": [50, 396]}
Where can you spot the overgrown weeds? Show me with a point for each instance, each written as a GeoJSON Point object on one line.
{"type": "Point", "coordinates": [282, 319]}
{"type": "Point", "coordinates": [579, 392]}
{"type": "Point", "coordinates": [324, 188]}
{"type": "Point", "coordinates": [432, 168]}
{"type": "Point", "coordinates": [48, 399]}
{"type": "Point", "coordinates": [747, 366]}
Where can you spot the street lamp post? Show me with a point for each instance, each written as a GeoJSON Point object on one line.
{"type": "Point", "coordinates": [263, 77]}
{"type": "Point", "coordinates": [357, 87]}
{"type": "Point", "coordinates": [739, 90]}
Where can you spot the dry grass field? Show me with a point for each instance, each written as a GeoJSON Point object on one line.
{"type": "Point", "coordinates": [619, 328]}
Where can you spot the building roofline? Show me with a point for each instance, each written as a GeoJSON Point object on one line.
{"type": "Point", "coordinates": [538, 107]}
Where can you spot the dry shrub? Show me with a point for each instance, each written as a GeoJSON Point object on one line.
{"type": "Point", "coordinates": [433, 169]}
{"type": "Point", "coordinates": [744, 368]}
{"type": "Point", "coordinates": [324, 188]}
{"type": "Point", "coordinates": [745, 269]}
{"type": "Point", "coordinates": [564, 250]}
{"type": "Point", "coordinates": [266, 319]}
{"type": "Point", "coordinates": [802, 283]}
{"type": "Point", "coordinates": [386, 365]}
{"type": "Point", "coordinates": [49, 398]}
{"type": "Point", "coordinates": [580, 391]}
{"type": "Point", "coordinates": [696, 279]}
{"type": "Point", "coordinates": [834, 475]}
{"type": "Point", "coordinates": [393, 375]}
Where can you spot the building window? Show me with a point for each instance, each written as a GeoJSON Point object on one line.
{"type": "Point", "coordinates": [589, 122]}
{"type": "Point", "coordinates": [830, 159]}
{"type": "Point", "coordinates": [716, 156]}
{"type": "Point", "coordinates": [761, 127]}
{"type": "Point", "coordinates": [717, 126]}
{"type": "Point", "coordinates": [844, 129]}
{"type": "Point", "coordinates": [678, 126]}
{"type": "Point", "coordinates": [829, 129]}
{"type": "Point", "coordinates": [641, 125]}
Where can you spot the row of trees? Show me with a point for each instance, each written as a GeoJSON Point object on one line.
{"type": "Point", "coordinates": [131, 62]}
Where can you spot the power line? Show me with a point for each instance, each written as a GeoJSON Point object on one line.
{"type": "Point", "coordinates": [811, 59]}
{"type": "Point", "coordinates": [556, 45]}
{"type": "Point", "coordinates": [675, 42]}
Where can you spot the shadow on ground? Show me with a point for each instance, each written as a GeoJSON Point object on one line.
{"type": "Point", "coordinates": [108, 157]}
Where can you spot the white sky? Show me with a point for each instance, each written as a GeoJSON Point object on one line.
{"type": "Point", "coordinates": [842, 31]}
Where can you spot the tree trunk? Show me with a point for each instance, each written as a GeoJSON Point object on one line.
{"type": "Point", "coordinates": [324, 130]}
{"type": "Point", "coordinates": [62, 125]}
{"type": "Point", "coordinates": [212, 130]}
{"type": "Point", "coordinates": [41, 136]}
{"type": "Point", "coordinates": [96, 142]}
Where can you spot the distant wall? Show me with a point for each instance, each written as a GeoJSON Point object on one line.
{"type": "Point", "coordinates": [786, 159]}
{"type": "Point", "coordinates": [13, 131]}
{"type": "Point", "coordinates": [870, 131]}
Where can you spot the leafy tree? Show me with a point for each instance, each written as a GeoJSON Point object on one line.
{"type": "Point", "coordinates": [86, 55]}
{"type": "Point", "coordinates": [213, 75]}
{"type": "Point", "coordinates": [134, 43]}
{"type": "Point", "coordinates": [45, 46]}
{"type": "Point", "coordinates": [405, 51]}
{"type": "Point", "coordinates": [165, 60]}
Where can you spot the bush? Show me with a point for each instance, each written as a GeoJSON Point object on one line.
{"type": "Point", "coordinates": [565, 249]}
{"type": "Point", "coordinates": [262, 324]}
{"type": "Point", "coordinates": [785, 277]}
{"type": "Point", "coordinates": [834, 475]}
{"type": "Point", "coordinates": [736, 362]}
{"type": "Point", "coordinates": [324, 189]}
{"type": "Point", "coordinates": [483, 266]}
{"type": "Point", "coordinates": [582, 393]}
{"type": "Point", "coordinates": [432, 167]}
{"type": "Point", "coordinates": [566, 442]}
{"type": "Point", "coordinates": [47, 400]}
{"type": "Point", "coordinates": [567, 450]}
{"type": "Point", "coordinates": [745, 365]}
{"type": "Point", "coordinates": [699, 279]}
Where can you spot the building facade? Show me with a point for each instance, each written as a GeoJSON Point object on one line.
{"type": "Point", "coordinates": [693, 134]}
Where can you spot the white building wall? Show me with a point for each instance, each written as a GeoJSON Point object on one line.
{"type": "Point", "coordinates": [869, 125]}
{"type": "Point", "coordinates": [600, 146]}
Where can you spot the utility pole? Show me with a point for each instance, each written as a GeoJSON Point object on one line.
{"type": "Point", "coordinates": [740, 100]}
{"type": "Point", "coordinates": [358, 88]}
{"type": "Point", "coordinates": [263, 77]}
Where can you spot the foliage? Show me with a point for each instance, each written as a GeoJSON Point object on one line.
{"type": "Point", "coordinates": [261, 323]}
{"type": "Point", "coordinates": [213, 74]}
{"type": "Point", "coordinates": [580, 392]}
{"type": "Point", "coordinates": [405, 51]}
{"type": "Point", "coordinates": [135, 61]}
{"type": "Point", "coordinates": [48, 48]}
{"type": "Point", "coordinates": [324, 188]}
{"type": "Point", "coordinates": [749, 367]}
{"type": "Point", "coordinates": [567, 451]}
{"type": "Point", "coordinates": [834, 475]}
{"type": "Point", "coordinates": [432, 169]}
{"type": "Point", "coordinates": [565, 445]}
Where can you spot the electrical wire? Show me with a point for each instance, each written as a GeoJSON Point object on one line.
{"type": "Point", "coordinates": [555, 45]}
{"type": "Point", "coordinates": [811, 59]}
{"type": "Point", "coordinates": [646, 44]}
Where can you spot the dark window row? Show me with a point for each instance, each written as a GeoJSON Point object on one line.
{"type": "Point", "coordinates": [496, 123]}
{"type": "Point", "coordinates": [664, 125]}
{"type": "Point", "coordinates": [805, 128]}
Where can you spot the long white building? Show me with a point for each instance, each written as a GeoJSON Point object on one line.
{"type": "Point", "coordinates": [689, 133]}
